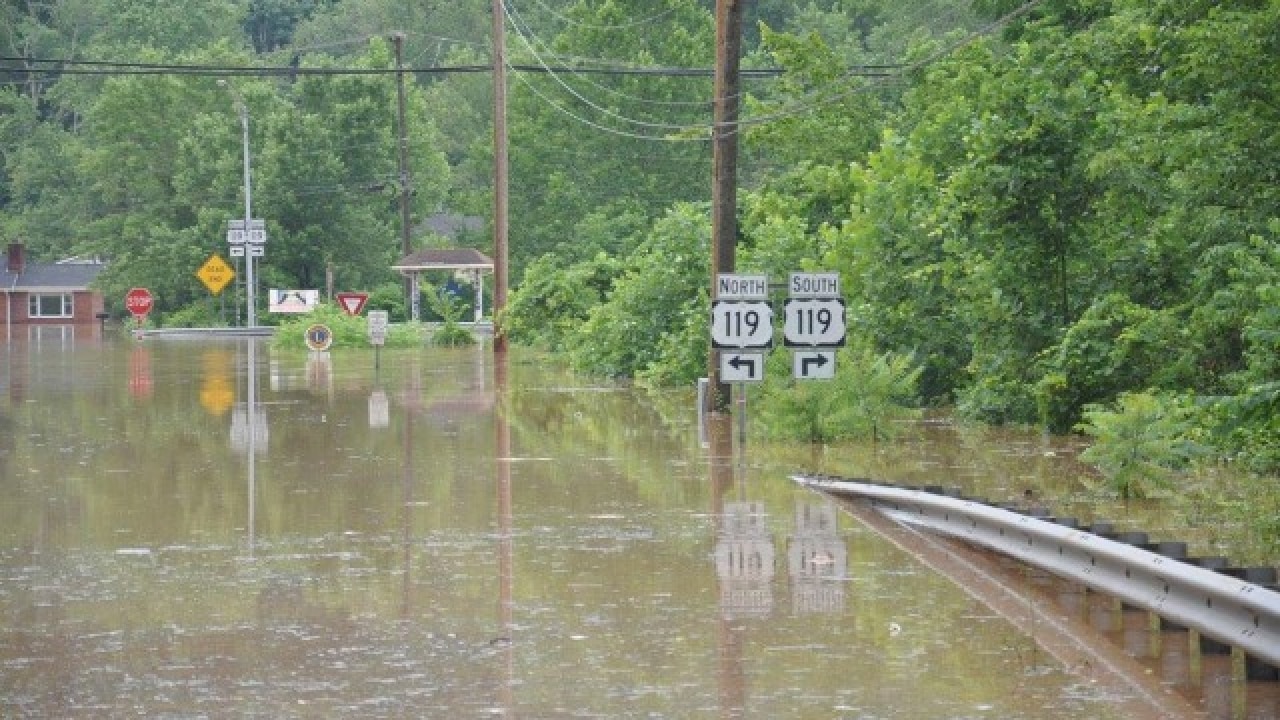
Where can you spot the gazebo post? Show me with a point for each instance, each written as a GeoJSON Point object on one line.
{"type": "Point", "coordinates": [415, 297]}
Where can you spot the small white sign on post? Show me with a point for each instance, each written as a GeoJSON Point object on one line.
{"type": "Point", "coordinates": [378, 326]}
{"type": "Point", "coordinates": [741, 367]}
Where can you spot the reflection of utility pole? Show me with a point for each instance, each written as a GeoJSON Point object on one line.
{"type": "Point", "coordinates": [724, 173]}
{"type": "Point", "coordinates": [398, 41]}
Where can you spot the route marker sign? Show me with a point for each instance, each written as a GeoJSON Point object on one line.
{"type": "Point", "coordinates": [738, 367]}
{"type": "Point", "coordinates": [138, 302]}
{"type": "Point", "coordinates": [814, 322]}
{"type": "Point", "coordinates": [741, 324]}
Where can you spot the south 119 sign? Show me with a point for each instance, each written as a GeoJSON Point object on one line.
{"type": "Point", "coordinates": [814, 322]}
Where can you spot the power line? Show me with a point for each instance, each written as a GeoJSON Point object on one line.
{"type": "Point", "coordinates": [103, 67]}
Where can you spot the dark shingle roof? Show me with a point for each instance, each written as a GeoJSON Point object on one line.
{"type": "Point", "coordinates": [44, 277]}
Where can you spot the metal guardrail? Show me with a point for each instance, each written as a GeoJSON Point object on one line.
{"type": "Point", "coordinates": [1221, 607]}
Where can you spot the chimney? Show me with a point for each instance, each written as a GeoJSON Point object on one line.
{"type": "Point", "coordinates": [17, 258]}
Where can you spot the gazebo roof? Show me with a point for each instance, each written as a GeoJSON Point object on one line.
{"type": "Point", "coordinates": [444, 259]}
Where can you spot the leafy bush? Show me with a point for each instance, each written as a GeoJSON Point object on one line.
{"type": "Point", "coordinates": [868, 398]}
{"type": "Point", "coordinates": [1141, 442]}
{"type": "Point", "coordinates": [348, 331]}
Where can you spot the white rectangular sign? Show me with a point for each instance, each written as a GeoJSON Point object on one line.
{"type": "Point", "coordinates": [742, 287]}
{"type": "Point", "coordinates": [813, 364]}
{"type": "Point", "coordinates": [814, 285]}
{"type": "Point", "coordinates": [378, 326]}
{"type": "Point", "coordinates": [737, 367]}
{"type": "Point", "coordinates": [293, 301]}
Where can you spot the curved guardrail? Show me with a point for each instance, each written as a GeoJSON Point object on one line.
{"type": "Point", "coordinates": [1226, 609]}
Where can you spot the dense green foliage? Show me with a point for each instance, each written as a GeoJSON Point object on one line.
{"type": "Point", "coordinates": [1043, 213]}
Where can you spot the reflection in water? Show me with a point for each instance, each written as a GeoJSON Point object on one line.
{"type": "Point", "coordinates": [817, 560]}
{"type": "Point", "coordinates": [744, 561]}
{"type": "Point", "coordinates": [424, 565]}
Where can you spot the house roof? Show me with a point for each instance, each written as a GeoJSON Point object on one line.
{"type": "Point", "coordinates": [444, 259]}
{"type": "Point", "coordinates": [51, 277]}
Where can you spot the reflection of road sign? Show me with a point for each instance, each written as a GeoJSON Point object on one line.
{"type": "Point", "coordinates": [378, 326]}
{"type": "Point", "coordinates": [215, 273]}
{"type": "Point", "coordinates": [319, 337]}
{"type": "Point", "coordinates": [813, 364]}
{"type": "Point", "coordinates": [352, 302]}
{"type": "Point", "coordinates": [741, 324]}
{"type": "Point", "coordinates": [138, 301]}
{"type": "Point", "coordinates": [814, 322]}
{"type": "Point", "coordinates": [741, 367]}
{"type": "Point", "coordinates": [379, 410]}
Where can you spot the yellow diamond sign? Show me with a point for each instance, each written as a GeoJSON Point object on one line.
{"type": "Point", "coordinates": [215, 273]}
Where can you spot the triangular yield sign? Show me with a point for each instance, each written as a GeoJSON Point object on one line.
{"type": "Point", "coordinates": [352, 302]}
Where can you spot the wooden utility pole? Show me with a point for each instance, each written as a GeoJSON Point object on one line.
{"type": "Point", "coordinates": [405, 220]}
{"type": "Point", "coordinates": [724, 163]}
{"type": "Point", "coordinates": [499, 174]}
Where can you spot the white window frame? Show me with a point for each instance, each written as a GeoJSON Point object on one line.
{"type": "Point", "coordinates": [65, 300]}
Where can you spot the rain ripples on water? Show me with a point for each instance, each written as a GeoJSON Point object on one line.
{"type": "Point", "coordinates": [416, 540]}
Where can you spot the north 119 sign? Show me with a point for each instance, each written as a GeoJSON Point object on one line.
{"type": "Point", "coordinates": [814, 322]}
{"type": "Point", "coordinates": [736, 324]}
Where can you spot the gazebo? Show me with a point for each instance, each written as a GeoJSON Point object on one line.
{"type": "Point", "coordinates": [468, 262]}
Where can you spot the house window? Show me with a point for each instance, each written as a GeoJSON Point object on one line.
{"type": "Point", "coordinates": [50, 305]}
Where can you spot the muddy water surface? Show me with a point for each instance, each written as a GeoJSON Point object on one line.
{"type": "Point", "coordinates": [211, 528]}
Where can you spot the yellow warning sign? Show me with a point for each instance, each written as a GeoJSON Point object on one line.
{"type": "Point", "coordinates": [215, 273]}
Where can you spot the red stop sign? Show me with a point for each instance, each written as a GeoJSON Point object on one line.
{"type": "Point", "coordinates": [138, 301]}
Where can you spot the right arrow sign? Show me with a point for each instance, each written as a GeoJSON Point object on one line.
{"type": "Point", "coordinates": [814, 364]}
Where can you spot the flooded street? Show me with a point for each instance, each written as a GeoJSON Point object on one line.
{"type": "Point", "coordinates": [213, 528]}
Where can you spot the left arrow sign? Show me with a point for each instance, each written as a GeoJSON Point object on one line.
{"type": "Point", "coordinates": [741, 367]}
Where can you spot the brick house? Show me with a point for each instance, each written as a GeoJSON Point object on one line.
{"type": "Point", "coordinates": [48, 293]}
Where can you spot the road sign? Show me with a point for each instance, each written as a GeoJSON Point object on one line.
{"type": "Point", "coordinates": [237, 251]}
{"type": "Point", "coordinates": [814, 285]}
{"type": "Point", "coordinates": [352, 302]}
{"type": "Point", "coordinates": [319, 337]}
{"type": "Point", "coordinates": [742, 287]}
{"type": "Point", "coordinates": [215, 273]}
{"type": "Point", "coordinates": [138, 302]}
{"type": "Point", "coordinates": [736, 324]}
{"type": "Point", "coordinates": [813, 364]}
{"type": "Point", "coordinates": [378, 326]}
{"type": "Point", "coordinates": [813, 322]}
{"type": "Point", "coordinates": [741, 367]}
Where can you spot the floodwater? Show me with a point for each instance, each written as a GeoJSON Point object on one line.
{"type": "Point", "coordinates": [196, 528]}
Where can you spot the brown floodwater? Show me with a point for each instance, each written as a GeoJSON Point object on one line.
{"type": "Point", "coordinates": [209, 527]}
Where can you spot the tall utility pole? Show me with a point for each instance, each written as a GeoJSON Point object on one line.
{"type": "Point", "coordinates": [724, 164]}
{"type": "Point", "coordinates": [398, 41]}
{"type": "Point", "coordinates": [499, 173]}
